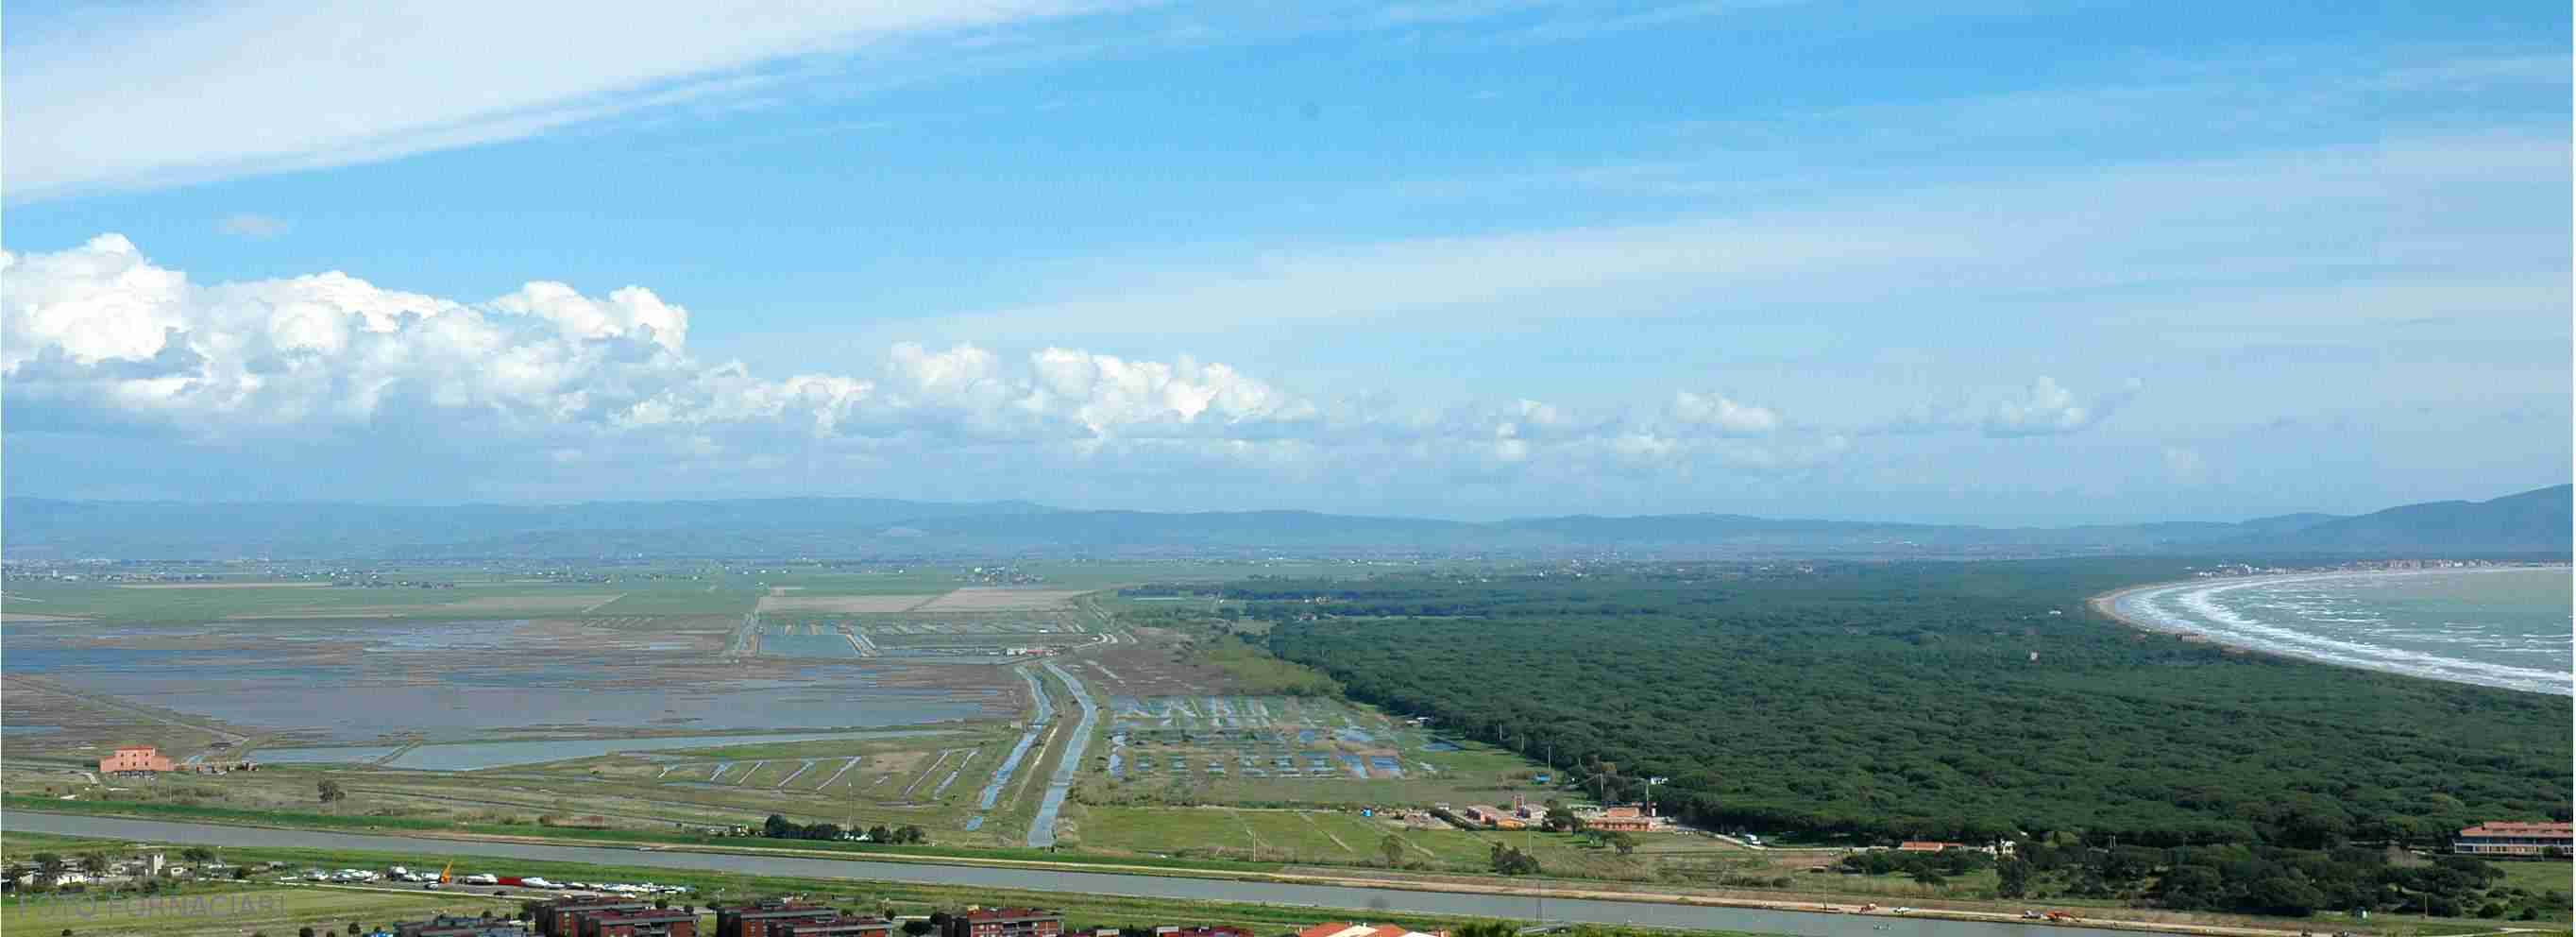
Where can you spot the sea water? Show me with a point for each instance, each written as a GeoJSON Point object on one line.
{"type": "Point", "coordinates": [2497, 626]}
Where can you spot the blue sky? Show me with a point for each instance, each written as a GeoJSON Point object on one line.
{"type": "Point", "coordinates": [1990, 263]}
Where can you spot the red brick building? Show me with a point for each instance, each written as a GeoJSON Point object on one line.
{"type": "Point", "coordinates": [673, 922]}
{"type": "Point", "coordinates": [1004, 922]}
{"type": "Point", "coordinates": [453, 925]}
{"type": "Point", "coordinates": [768, 918]}
{"type": "Point", "coordinates": [837, 927]}
{"type": "Point", "coordinates": [561, 917]}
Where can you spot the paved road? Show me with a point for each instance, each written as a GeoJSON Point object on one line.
{"type": "Point", "coordinates": [1356, 899]}
{"type": "Point", "coordinates": [1042, 829]}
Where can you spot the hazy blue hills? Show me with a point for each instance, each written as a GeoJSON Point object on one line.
{"type": "Point", "coordinates": [158, 529]}
{"type": "Point", "coordinates": [35, 528]}
{"type": "Point", "coordinates": [2532, 520]}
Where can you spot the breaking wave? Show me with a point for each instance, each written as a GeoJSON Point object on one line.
{"type": "Point", "coordinates": [2324, 617]}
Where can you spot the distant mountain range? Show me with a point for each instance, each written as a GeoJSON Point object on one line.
{"type": "Point", "coordinates": [36, 528]}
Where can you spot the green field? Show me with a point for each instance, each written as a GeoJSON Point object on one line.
{"type": "Point", "coordinates": [231, 910]}
{"type": "Point", "coordinates": [2540, 876]}
{"type": "Point", "coordinates": [1345, 838]}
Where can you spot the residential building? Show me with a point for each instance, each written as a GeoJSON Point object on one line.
{"type": "Point", "coordinates": [457, 925]}
{"type": "Point", "coordinates": [672, 922]}
{"type": "Point", "coordinates": [1174, 930]}
{"type": "Point", "coordinates": [1925, 845]}
{"type": "Point", "coordinates": [837, 926]}
{"type": "Point", "coordinates": [768, 918]}
{"type": "Point", "coordinates": [1004, 922]}
{"type": "Point", "coordinates": [561, 917]}
{"type": "Point", "coordinates": [2513, 838]}
{"type": "Point", "coordinates": [1624, 819]}
{"type": "Point", "coordinates": [1347, 929]}
{"type": "Point", "coordinates": [136, 759]}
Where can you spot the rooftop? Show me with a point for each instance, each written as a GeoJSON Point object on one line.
{"type": "Point", "coordinates": [1008, 914]}
{"type": "Point", "coordinates": [2518, 828]}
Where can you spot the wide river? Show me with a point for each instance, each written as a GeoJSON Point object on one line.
{"type": "Point", "coordinates": [2499, 626]}
{"type": "Point", "coordinates": [1361, 901]}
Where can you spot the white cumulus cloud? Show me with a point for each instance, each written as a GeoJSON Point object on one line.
{"type": "Point", "coordinates": [2048, 409]}
{"type": "Point", "coordinates": [99, 338]}
{"type": "Point", "coordinates": [1722, 414]}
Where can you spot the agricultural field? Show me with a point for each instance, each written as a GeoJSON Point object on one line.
{"type": "Point", "coordinates": [1276, 749]}
{"type": "Point", "coordinates": [908, 696]}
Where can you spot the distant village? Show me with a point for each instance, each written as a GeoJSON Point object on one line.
{"type": "Point", "coordinates": [2356, 566]}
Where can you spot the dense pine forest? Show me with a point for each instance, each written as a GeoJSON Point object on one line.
{"type": "Point", "coordinates": [1958, 700]}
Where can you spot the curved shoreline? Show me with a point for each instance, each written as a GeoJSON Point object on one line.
{"type": "Point", "coordinates": [2107, 605]}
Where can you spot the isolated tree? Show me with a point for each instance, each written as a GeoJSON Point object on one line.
{"type": "Point", "coordinates": [777, 827]}
{"type": "Point", "coordinates": [1511, 861]}
{"type": "Point", "coordinates": [49, 863]}
{"type": "Point", "coordinates": [1623, 841]}
{"type": "Point", "coordinates": [197, 854]}
{"type": "Point", "coordinates": [330, 791]}
{"type": "Point", "coordinates": [95, 863]}
{"type": "Point", "coordinates": [1394, 849]}
{"type": "Point", "coordinates": [2012, 878]}
{"type": "Point", "coordinates": [879, 834]}
{"type": "Point", "coordinates": [306, 931]}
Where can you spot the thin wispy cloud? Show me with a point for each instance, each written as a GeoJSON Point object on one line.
{"type": "Point", "coordinates": [252, 225]}
{"type": "Point", "coordinates": [2172, 224]}
{"type": "Point", "coordinates": [244, 89]}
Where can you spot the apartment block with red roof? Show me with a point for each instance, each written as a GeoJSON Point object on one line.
{"type": "Point", "coordinates": [1347, 929]}
{"type": "Point", "coordinates": [2514, 839]}
{"type": "Point", "coordinates": [673, 922]}
{"type": "Point", "coordinates": [768, 918]}
{"type": "Point", "coordinates": [1004, 922]}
